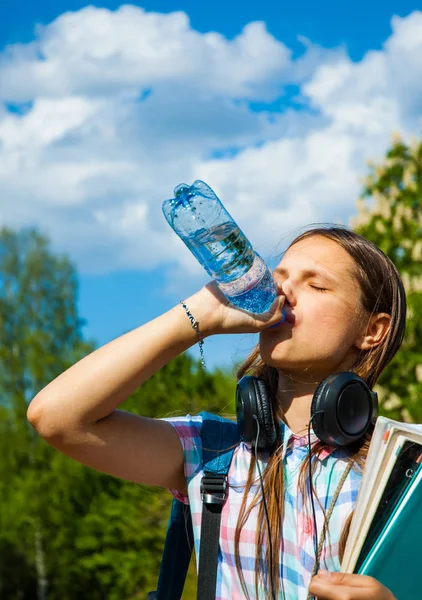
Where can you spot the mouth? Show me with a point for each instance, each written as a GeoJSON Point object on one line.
{"type": "Point", "coordinates": [288, 319]}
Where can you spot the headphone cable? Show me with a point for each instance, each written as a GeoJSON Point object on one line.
{"type": "Point", "coordinates": [312, 495]}
{"type": "Point", "coordinates": [316, 567]}
{"type": "Point", "coordinates": [265, 509]}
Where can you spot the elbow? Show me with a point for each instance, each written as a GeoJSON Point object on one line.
{"type": "Point", "coordinates": [33, 414]}
{"type": "Point", "coordinates": [42, 420]}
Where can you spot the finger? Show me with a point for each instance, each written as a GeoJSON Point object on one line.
{"type": "Point", "coordinates": [349, 579]}
{"type": "Point", "coordinates": [273, 315]}
{"type": "Point", "coordinates": [342, 586]}
{"type": "Point", "coordinates": [276, 307]}
{"type": "Point", "coordinates": [325, 591]}
{"type": "Point", "coordinates": [278, 287]}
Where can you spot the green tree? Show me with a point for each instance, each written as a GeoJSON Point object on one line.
{"type": "Point", "coordinates": [390, 214]}
{"type": "Point", "coordinates": [110, 533]}
{"type": "Point", "coordinates": [40, 337]}
{"type": "Point", "coordinates": [68, 532]}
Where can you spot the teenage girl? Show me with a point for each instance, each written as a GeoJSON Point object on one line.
{"type": "Point", "coordinates": [344, 306]}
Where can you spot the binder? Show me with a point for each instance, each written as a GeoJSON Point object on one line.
{"type": "Point", "coordinates": [406, 466]}
{"type": "Point", "coordinates": [387, 443]}
{"type": "Point", "coordinates": [395, 558]}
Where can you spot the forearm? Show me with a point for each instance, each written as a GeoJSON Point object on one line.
{"type": "Point", "coordinates": [92, 388]}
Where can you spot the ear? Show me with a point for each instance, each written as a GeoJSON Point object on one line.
{"type": "Point", "coordinates": [376, 330]}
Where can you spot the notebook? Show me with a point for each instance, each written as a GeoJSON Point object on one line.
{"type": "Point", "coordinates": [395, 559]}
{"type": "Point", "coordinates": [401, 477]}
{"type": "Point", "coordinates": [384, 450]}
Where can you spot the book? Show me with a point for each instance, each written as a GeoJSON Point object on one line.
{"type": "Point", "coordinates": [388, 443]}
{"type": "Point", "coordinates": [394, 559]}
{"type": "Point", "coordinates": [398, 484]}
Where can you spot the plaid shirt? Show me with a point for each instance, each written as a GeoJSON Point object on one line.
{"type": "Point", "coordinates": [297, 554]}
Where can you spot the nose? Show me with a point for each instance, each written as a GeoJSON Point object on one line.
{"type": "Point", "coordinates": [288, 290]}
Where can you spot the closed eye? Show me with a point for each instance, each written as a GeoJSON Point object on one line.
{"type": "Point", "coordinates": [319, 289]}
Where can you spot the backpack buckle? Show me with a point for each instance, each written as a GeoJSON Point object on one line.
{"type": "Point", "coordinates": [213, 488]}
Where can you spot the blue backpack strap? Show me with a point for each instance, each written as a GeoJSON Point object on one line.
{"type": "Point", "coordinates": [176, 555]}
{"type": "Point", "coordinates": [219, 438]}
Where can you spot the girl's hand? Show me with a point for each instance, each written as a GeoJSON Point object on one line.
{"type": "Point", "coordinates": [216, 315]}
{"type": "Point", "coordinates": [345, 586]}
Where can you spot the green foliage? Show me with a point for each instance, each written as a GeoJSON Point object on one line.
{"type": "Point", "coordinates": [40, 329]}
{"type": "Point", "coordinates": [40, 337]}
{"type": "Point", "coordinates": [390, 214]}
{"type": "Point", "coordinates": [68, 532]}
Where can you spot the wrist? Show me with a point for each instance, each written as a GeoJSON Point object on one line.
{"type": "Point", "coordinates": [205, 316]}
{"type": "Point", "coordinates": [195, 327]}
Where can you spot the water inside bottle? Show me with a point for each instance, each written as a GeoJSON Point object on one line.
{"type": "Point", "coordinates": [259, 298]}
{"type": "Point", "coordinates": [223, 251]}
{"type": "Point", "coordinates": [228, 257]}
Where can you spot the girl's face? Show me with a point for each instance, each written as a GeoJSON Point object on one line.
{"type": "Point", "coordinates": [324, 315]}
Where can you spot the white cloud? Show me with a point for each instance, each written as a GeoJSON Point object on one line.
{"type": "Point", "coordinates": [118, 107]}
{"type": "Point", "coordinates": [97, 52]}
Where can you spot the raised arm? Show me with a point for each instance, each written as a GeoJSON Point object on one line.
{"type": "Point", "coordinates": [77, 412]}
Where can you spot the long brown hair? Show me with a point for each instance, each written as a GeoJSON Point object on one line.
{"type": "Point", "coordinates": [381, 291]}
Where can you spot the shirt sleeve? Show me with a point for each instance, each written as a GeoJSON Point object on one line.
{"type": "Point", "coordinates": [188, 429]}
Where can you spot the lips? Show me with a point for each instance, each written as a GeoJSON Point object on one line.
{"type": "Point", "coordinates": [289, 318]}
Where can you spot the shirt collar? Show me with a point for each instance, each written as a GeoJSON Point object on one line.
{"type": "Point", "coordinates": [291, 441]}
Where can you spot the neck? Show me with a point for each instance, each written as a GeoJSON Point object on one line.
{"type": "Point", "coordinates": [295, 398]}
{"type": "Point", "coordinates": [296, 390]}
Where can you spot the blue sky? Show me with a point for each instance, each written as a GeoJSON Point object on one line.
{"type": "Point", "coordinates": [359, 25]}
{"type": "Point", "coordinates": [103, 112]}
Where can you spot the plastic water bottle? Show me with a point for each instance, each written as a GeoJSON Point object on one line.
{"type": "Point", "coordinates": [215, 239]}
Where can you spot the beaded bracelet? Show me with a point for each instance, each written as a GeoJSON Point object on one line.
{"type": "Point", "coordinates": [195, 326]}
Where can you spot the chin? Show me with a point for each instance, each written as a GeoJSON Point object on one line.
{"type": "Point", "coordinates": [275, 344]}
{"type": "Point", "coordinates": [274, 357]}
{"type": "Point", "coordinates": [283, 357]}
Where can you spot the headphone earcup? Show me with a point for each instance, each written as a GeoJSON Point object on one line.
{"type": "Point", "coordinates": [342, 409]}
{"type": "Point", "coordinates": [317, 412]}
{"type": "Point", "coordinates": [266, 417]}
{"type": "Point", "coordinates": [253, 403]}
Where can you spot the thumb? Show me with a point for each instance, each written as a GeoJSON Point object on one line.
{"type": "Point", "coordinates": [275, 315]}
{"type": "Point", "coordinates": [277, 305]}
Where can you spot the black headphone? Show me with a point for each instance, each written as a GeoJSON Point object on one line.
{"type": "Point", "coordinates": [343, 407]}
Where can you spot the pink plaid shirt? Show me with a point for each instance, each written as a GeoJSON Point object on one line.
{"type": "Point", "coordinates": [297, 553]}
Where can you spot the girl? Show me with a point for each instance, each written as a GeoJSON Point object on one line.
{"type": "Point", "coordinates": [344, 304]}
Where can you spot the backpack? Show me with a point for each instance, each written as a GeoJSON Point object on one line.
{"type": "Point", "coordinates": [219, 439]}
